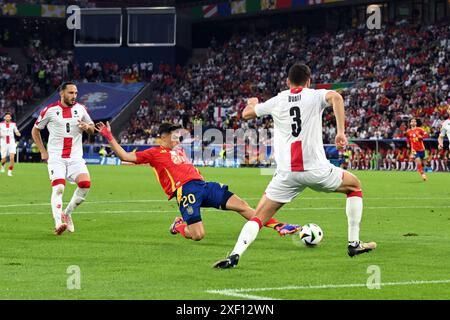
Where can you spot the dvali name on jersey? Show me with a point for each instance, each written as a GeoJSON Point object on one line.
{"type": "Point", "coordinates": [297, 116]}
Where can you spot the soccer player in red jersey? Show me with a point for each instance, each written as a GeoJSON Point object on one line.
{"type": "Point", "coordinates": [181, 180]}
{"type": "Point", "coordinates": [414, 140]}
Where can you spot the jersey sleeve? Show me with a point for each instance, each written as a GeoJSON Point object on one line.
{"type": "Point", "coordinates": [265, 108]}
{"type": "Point", "coordinates": [86, 117]}
{"type": "Point", "coordinates": [143, 157]}
{"type": "Point", "coordinates": [16, 131]}
{"type": "Point", "coordinates": [43, 119]}
{"type": "Point", "coordinates": [321, 98]}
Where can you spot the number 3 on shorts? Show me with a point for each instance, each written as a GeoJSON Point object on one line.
{"type": "Point", "coordinates": [189, 198]}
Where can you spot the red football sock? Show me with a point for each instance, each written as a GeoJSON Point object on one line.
{"type": "Point", "coordinates": [181, 229]}
{"type": "Point", "coordinates": [10, 168]}
{"type": "Point", "coordinates": [420, 168]}
{"type": "Point", "coordinates": [271, 223]}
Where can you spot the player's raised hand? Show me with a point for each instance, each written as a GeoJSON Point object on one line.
{"type": "Point", "coordinates": [104, 130]}
{"type": "Point", "coordinates": [83, 125]}
{"type": "Point", "coordinates": [340, 140]}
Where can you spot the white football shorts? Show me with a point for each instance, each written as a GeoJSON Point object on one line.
{"type": "Point", "coordinates": [7, 149]}
{"type": "Point", "coordinates": [66, 169]}
{"type": "Point", "coordinates": [285, 186]}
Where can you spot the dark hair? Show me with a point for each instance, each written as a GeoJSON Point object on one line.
{"type": "Point", "coordinates": [7, 113]}
{"type": "Point", "coordinates": [64, 85]}
{"type": "Point", "coordinates": [418, 122]}
{"type": "Point", "coordinates": [299, 74]}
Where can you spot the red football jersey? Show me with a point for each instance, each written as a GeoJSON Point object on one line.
{"type": "Point", "coordinates": [415, 138]}
{"type": "Point", "coordinates": [172, 167]}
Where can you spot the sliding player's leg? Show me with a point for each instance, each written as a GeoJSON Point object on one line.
{"type": "Point", "coordinates": [240, 206]}
{"type": "Point", "coordinates": [190, 198]}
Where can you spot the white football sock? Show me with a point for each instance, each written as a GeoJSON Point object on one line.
{"type": "Point", "coordinates": [248, 234]}
{"type": "Point", "coordinates": [354, 210]}
{"type": "Point", "coordinates": [78, 197]}
{"type": "Point", "coordinates": [56, 202]}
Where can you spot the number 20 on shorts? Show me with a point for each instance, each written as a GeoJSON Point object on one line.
{"type": "Point", "coordinates": [189, 198]}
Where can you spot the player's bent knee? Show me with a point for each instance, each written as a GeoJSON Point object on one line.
{"type": "Point", "coordinates": [197, 236]}
{"type": "Point", "coordinates": [59, 189]}
{"type": "Point", "coordinates": [196, 231]}
{"type": "Point", "coordinates": [58, 185]}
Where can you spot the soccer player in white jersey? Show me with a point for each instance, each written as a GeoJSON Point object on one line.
{"type": "Point", "coordinates": [445, 130]}
{"type": "Point", "coordinates": [300, 158]}
{"type": "Point", "coordinates": [65, 120]}
{"type": "Point", "coordinates": [8, 130]}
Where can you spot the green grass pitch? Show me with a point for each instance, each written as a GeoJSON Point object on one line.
{"type": "Point", "coordinates": [124, 250]}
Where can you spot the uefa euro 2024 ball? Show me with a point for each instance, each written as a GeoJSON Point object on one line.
{"type": "Point", "coordinates": [311, 234]}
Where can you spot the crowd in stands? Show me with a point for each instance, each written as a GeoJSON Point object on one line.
{"type": "Point", "coordinates": [396, 73]}
{"type": "Point", "coordinates": [16, 88]}
{"type": "Point", "coordinates": [392, 75]}
{"type": "Point", "coordinates": [388, 159]}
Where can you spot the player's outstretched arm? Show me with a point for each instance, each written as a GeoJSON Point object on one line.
{"type": "Point", "coordinates": [36, 134]}
{"type": "Point", "coordinates": [17, 132]}
{"type": "Point", "coordinates": [335, 99]}
{"type": "Point", "coordinates": [105, 130]}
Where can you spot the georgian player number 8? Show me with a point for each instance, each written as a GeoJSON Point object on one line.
{"type": "Point", "coordinates": [297, 124]}
{"type": "Point", "coordinates": [68, 127]}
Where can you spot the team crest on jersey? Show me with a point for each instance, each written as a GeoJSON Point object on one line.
{"type": "Point", "coordinates": [57, 113]}
{"type": "Point", "coordinates": [190, 210]}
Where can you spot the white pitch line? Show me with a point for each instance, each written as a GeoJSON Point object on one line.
{"type": "Point", "coordinates": [238, 292]}
{"type": "Point", "coordinates": [231, 293]}
{"type": "Point", "coordinates": [212, 210]}
{"type": "Point", "coordinates": [165, 200]}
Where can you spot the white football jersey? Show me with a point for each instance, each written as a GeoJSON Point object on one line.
{"type": "Point", "coordinates": [297, 116]}
{"type": "Point", "coordinates": [65, 138]}
{"type": "Point", "coordinates": [445, 130]}
{"type": "Point", "coordinates": [7, 132]}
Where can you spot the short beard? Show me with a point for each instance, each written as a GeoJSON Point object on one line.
{"type": "Point", "coordinates": [68, 102]}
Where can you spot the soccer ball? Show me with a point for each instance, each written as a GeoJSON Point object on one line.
{"type": "Point", "coordinates": [311, 234]}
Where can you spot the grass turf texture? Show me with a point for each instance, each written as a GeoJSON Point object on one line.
{"type": "Point", "coordinates": [124, 250]}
